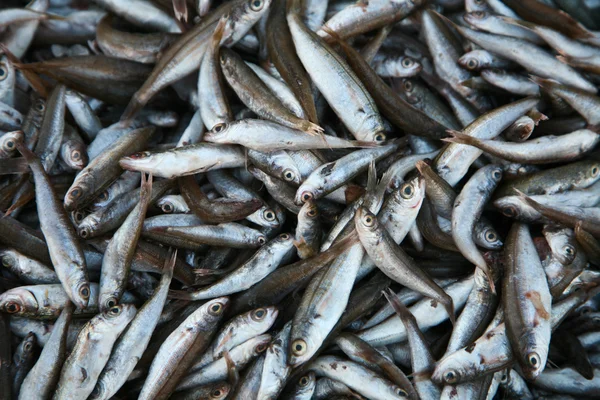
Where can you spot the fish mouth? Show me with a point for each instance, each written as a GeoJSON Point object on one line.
{"type": "Point", "coordinates": [127, 163]}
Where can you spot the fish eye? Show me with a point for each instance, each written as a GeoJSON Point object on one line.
{"type": "Point", "coordinates": [472, 63]}
{"type": "Point", "coordinates": [369, 220]}
{"type": "Point", "coordinates": [28, 346]}
{"type": "Point", "coordinates": [585, 310]}
{"type": "Point", "coordinates": [288, 175]}
{"type": "Point", "coordinates": [12, 308]}
{"type": "Point", "coordinates": [103, 196]}
{"type": "Point", "coordinates": [491, 236]}
{"type": "Point", "coordinates": [40, 106]}
{"type": "Point", "coordinates": [216, 393]}
{"type": "Point", "coordinates": [115, 311]}
{"type": "Point", "coordinates": [76, 193]}
{"type": "Point", "coordinates": [111, 302]}
{"type": "Point", "coordinates": [84, 233]}
{"type": "Point", "coordinates": [260, 348]}
{"type": "Point", "coordinates": [3, 72]}
{"type": "Point", "coordinates": [312, 212]}
{"type": "Point", "coordinates": [299, 347]}
{"type": "Point", "coordinates": [569, 250]}
{"type": "Point", "coordinates": [167, 208]}
{"type": "Point", "coordinates": [407, 191]}
{"type": "Point", "coordinates": [534, 360]}
{"type": "Point", "coordinates": [306, 196]}
{"type": "Point", "coordinates": [259, 314]}
{"type": "Point", "coordinates": [401, 393]}
{"type": "Point", "coordinates": [450, 377]}
{"type": "Point", "coordinates": [304, 381]}
{"type": "Point", "coordinates": [10, 144]}
{"type": "Point", "coordinates": [497, 174]}
{"type": "Point", "coordinates": [218, 128]}
{"type": "Point", "coordinates": [407, 62]}
{"type": "Point", "coordinates": [215, 309]}
{"type": "Point", "coordinates": [504, 378]}
{"type": "Point", "coordinates": [84, 291]}
{"type": "Point", "coordinates": [595, 171]}
{"type": "Point", "coordinates": [408, 86]}
{"type": "Point", "coordinates": [478, 14]}
{"type": "Point", "coordinates": [509, 211]}
{"type": "Point", "coordinates": [78, 216]}
{"type": "Point", "coordinates": [262, 240]}
{"type": "Point", "coordinates": [380, 137]}
{"type": "Point", "coordinates": [285, 236]}
{"type": "Point", "coordinates": [76, 155]}
{"type": "Point", "coordinates": [256, 5]}
{"type": "Point", "coordinates": [269, 215]}
{"type": "Point", "coordinates": [139, 155]}
{"type": "Point", "coordinates": [6, 261]}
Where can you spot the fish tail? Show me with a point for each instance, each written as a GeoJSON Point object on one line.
{"type": "Point", "coordinates": [397, 305]}
{"type": "Point", "coordinates": [312, 129]}
{"type": "Point", "coordinates": [448, 304]}
{"type": "Point", "coordinates": [170, 263]}
{"type": "Point", "coordinates": [220, 31]}
{"type": "Point", "coordinates": [459, 137]}
{"type": "Point", "coordinates": [146, 187]}
{"type": "Point", "coordinates": [29, 155]}
{"type": "Point", "coordinates": [134, 106]}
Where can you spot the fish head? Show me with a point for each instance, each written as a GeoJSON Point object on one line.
{"type": "Point", "coordinates": [367, 224]}
{"type": "Point", "coordinates": [73, 155]}
{"type": "Point", "coordinates": [119, 315]}
{"type": "Point", "coordinates": [170, 204]}
{"type": "Point", "coordinates": [593, 172]}
{"type": "Point", "coordinates": [9, 259]}
{"type": "Point", "coordinates": [267, 217]}
{"type": "Point", "coordinates": [140, 161]}
{"type": "Point", "coordinates": [76, 193]}
{"type": "Point", "coordinates": [8, 142]}
{"type": "Point", "coordinates": [260, 344]}
{"type": "Point", "coordinates": [216, 307]}
{"type": "Point", "coordinates": [88, 226]}
{"type": "Point", "coordinates": [476, 18]}
{"type": "Point", "coordinates": [309, 211]}
{"type": "Point", "coordinates": [261, 319]}
{"type": "Point", "coordinates": [18, 301]}
{"type": "Point", "coordinates": [409, 66]}
{"type": "Point", "coordinates": [217, 391]}
{"type": "Point", "coordinates": [243, 17]}
{"type": "Point", "coordinates": [218, 133]}
{"type": "Point", "coordinates": [306, 192]}
{"type": "Point", "coordinates": [291, 174]}
{"type": "Point", "coordinates": [508, 206]}
{"type": "Point", "coordinates": [306, 383]}
{"type": "Point", "coordinates": [301, 350]}
{"type": "Point", "coordinates": [450, 370]}
{"type": "Point", "coordinates": [470, 61]}
{"type": "Point", "coordinates": [488, 238]}
{"type": "Point", "coordinates": [533, 364]}
{"type": "Point", "coordinates": [411, 91]}
{"type": "Point", "coordinates": [27, 346]}
{"type": "Point", "coordinates": [412, 192]}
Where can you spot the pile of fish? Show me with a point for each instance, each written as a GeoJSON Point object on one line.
{"type": "Point", "coordinates": [301, 199]}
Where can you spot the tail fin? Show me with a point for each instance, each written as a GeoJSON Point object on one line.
{"type": "Point", "coordinates": [461, 138]}
{"type": "Point", "coordinates": [405, 315]}
{"type": "Point", "coordinates": [170, 264]}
